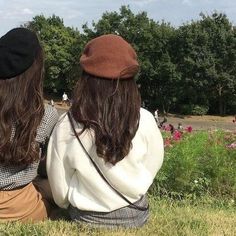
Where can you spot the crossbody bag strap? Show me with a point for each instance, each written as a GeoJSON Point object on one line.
{"type": "Point", "coordinates": [100, 172]}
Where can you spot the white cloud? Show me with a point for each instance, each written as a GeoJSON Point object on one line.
{"type": "Point", "coordinates": [186, 2]}
{"type": "Point", "coordinates": [141, 3]}
{"type": "Point", "coordinates": [77, 12]}
{"type": "Point", "coordinates": [16, 14]}
{"type": "Point", "coordinates": [27, 11]}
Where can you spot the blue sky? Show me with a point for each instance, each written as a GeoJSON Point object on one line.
{"type": "Point", "coordinates": [77, 12]}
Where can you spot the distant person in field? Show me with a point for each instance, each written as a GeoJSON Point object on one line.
{"type": "Point", "coordinates": [104, 154]}
{"type": "Point", "coordinates": [52, 102]}
{"type": "Point", "coordinates": [157, 118]}
{"type": "Point", "coordinates": [172, 128]}
{"type": "Point", "coordinates": [25, 126]}
{"type": "Point", "coordinates": [180, 127]}
{"type": "Point", "coordinates": [156, 115]}
{"type": "Point", "coordinates": [65, 99]}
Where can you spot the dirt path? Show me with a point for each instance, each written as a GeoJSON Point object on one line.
{"type": "Point", "coordinates": [204, 122]}
{"type": "Point", "coordinates": [197, 122]}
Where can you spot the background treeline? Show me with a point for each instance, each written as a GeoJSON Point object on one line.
{"type": "Point", "coordinates": [189, 70]}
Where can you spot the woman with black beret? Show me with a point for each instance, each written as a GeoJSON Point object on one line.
{"type": "Point", "coordinates": [25, 125]}
{"type": "Point", "coordinates": [103, 155]}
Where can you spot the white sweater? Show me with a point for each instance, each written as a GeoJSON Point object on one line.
{"type": "Point", "coordinates": [74, 180]}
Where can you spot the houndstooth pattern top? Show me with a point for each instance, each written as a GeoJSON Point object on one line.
{"type": "Point", "coordinates": [12, 177]}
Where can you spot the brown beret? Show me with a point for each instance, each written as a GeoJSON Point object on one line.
{"type": "Point", "coordinates": [109, 56]}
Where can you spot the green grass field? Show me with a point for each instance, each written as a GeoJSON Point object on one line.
{"type": "Point", "coordinates": [193, 194]}
{"type": "Point", "coordinates": [200, 217]}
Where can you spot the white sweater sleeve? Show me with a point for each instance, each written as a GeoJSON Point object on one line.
{"type": "Point", "coordinates": [59, 175]}
{"type": "Point", "coordinates": [155, 148]}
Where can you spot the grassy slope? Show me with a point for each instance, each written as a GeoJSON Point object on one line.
{"type": "Point", "coordinates": [167, 218]}
{"type": "Point", "coordinates": [206, 216]}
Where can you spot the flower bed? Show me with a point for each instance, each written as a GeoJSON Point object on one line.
{"type": "Point", "coordinates": [197, 163]}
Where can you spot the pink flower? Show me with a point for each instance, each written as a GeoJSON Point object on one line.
{"type": "Point", "coordinates": [163, 127]}
{"type": "Point", "coordinates": [177, 135]}
{"type": "Point", "coordinates": [232, 145]}
{"type": "Point", "coordinates": [167, 143]}
{"type": "Point", "coordinates": [189, 129]}
{"type": "Point", "coordinates": [167, 128]}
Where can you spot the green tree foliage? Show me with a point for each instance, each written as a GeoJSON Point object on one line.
{"type": "Point", "coordinates": [190, 69]}
{"type": "Point", "coordinates": [206, 58]}
{"type": "Point", "coordinates": [62, 47]}
{"type": "Point", "coordinates": [158, 76]}
{"type": "Point", "coordinates": [222, 44]}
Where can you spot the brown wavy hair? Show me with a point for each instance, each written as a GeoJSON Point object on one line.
{"type": "Point", "coordinates": [112, 109]}
{"type": "Point", "coordinates": [21, 111]}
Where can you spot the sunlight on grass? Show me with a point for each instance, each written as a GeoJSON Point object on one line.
{"type": "Point", "coordinates": [193, 194]}
{"type": "Point", "coordinates": [168, 217]}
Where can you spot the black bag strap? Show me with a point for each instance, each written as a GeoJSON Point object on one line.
{"type": "Point", "coordinates": [100, 172]}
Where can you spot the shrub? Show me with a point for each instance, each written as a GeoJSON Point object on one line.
{"type": "Point", "coordinates": [199, 110]}
{"type": "Point", "coordinates": [186, 109]}
{"type": "Point", "coordinates": [191, 109]}
{"type": "Point", "coordinates": [199, 164]}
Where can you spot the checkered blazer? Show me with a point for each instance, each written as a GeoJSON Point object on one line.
{"type": "Point", "coordinates": [12, 177]}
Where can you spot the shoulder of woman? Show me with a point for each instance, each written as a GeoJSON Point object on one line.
{"type": "Point", "coordinates": [50, 109]}
{"type": "Point", "coordinates": [49, 120]}
{"type": "Point", "coordinates": [146, 115]}
{"type": "Point", "coordinates": [147, 121]}
{"type": "Point", "coordinates": [51, 112]}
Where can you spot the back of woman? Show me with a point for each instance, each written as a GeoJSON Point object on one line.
{"type": "Point", "coordinates": [25, 125]}
{"type": "Point", "coordinates": [104, 154]}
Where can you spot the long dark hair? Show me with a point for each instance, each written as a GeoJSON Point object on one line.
{"type": "Point", "coordinates": [21, 111]}
{"type": "Point", "coordinates": [111, 108]}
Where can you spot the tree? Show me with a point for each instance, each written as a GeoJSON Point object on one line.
{"type": "Point", "coordinates": [62, 46]}
{"type": "Point", "coordinates": [206, 59]}
{"type": "Point", "coordinates": [151, 42]}
{"type": "Point", "coordinates": [222, 43]}
{"type": "Point", "coordinates": [193, 65]}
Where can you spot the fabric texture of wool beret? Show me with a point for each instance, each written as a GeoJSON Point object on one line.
{"type": "Point", "coordinates": [109, 56]}
{"type": "Point", "coordinates": [18, 50]}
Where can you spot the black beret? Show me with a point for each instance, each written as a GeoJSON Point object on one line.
{"type": "Point", "coordinates": [18, 50]}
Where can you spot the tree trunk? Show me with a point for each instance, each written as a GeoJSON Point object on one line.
{"type": "Point", "coordinates": [220, 100]}
{"type": "Point", "coordinates": [221, 105]}
{"type": "Point", "coordinates": [224, 110]}
{"type": "Point", "coordinates": [163, 108]}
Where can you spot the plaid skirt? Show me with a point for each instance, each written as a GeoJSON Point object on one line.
{"type": "Point", "coordinates": [128, 217]}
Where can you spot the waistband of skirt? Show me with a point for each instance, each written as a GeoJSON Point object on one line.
{"type": "Point", "coordinates": [16, 189]}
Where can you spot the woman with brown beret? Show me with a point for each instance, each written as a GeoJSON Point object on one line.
{"type": "Point", "coordinates": [25, 125]}
{"type": "Point", "coordinates": [105, 152]}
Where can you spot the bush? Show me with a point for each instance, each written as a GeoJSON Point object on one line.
{"type": "Point", "coordinates": [199, 110]}
{"type": "Point", "coordinates": [191, 109]}
{"type": "Point", "coordinates": [199, 164]}
{"type": "Point", "coordinates": [186, 109]}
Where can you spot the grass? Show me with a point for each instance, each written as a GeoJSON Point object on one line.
{"type": "Point", "coordinates": [197, 185]}
{"type": "Point", "coordinates": [198, 164]}
{"type": "Point", "coordinates": [201, 217]}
